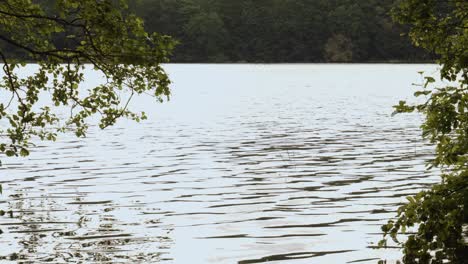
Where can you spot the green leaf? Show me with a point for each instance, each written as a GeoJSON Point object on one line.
{"type": "Point", "coordinates": [419, 93]}
{"type": "Point", "coordinates": [24, 152]}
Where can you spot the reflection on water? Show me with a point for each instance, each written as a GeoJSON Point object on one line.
{"type": "Point", "coordinates": [247, 164]}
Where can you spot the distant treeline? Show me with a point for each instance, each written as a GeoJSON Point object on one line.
{"type": "Point", "coordinates": [279, 30]}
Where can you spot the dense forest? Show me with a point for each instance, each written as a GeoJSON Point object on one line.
{"type": "Point", "coordinates": [272, 31]}
{"type": "Point", "coordinates": [280, 30]}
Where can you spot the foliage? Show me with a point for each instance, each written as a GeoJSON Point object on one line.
{"type": "Point", "coordinates": [276, 30]}
{"type": "Point", "coordinates": [441, 213]}
{"type": "Point", "coordinates": [338, 49]}
{"type": "Point", "coordinates": [62, 36]}
{"type": "Point", "coordinates": [440, 27]}
{"type": "Point", "coordinates": [439, 216]}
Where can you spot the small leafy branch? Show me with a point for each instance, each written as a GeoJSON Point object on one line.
{"type": "Point", "coordinates": [100, 33]}
{"type": "Point", "coordinates": [65, 37]}
{"type": "Point", "coordinates": [438, 215]}
{"type": "Point", "coordinates": [103, 34]}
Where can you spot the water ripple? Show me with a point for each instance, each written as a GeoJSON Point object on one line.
{"type": "Point", "coordinates": [285, 163]}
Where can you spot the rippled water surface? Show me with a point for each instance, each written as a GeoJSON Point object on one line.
{"type": "Point", "coordinates": [245, 164]}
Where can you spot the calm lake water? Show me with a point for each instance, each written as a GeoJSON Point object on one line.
{"type": "Point", "coordinates": [245, 164]}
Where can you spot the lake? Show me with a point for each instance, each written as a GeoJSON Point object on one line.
{"type": "Point", "coordinates": [245, 164]}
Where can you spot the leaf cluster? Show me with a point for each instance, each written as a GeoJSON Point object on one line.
{"type": "Point", "coordinates": [102, 35]}
{"type": "Point", "coordinates": [440, 214]}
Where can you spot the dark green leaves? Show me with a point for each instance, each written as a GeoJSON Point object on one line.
{"type": "Point", "coordinates": [439, 27]}
{"type": "Point", "coordinates": [103, 34]}
{"type": "Point", "coordinates": [437, 216]}
{"type": "Point", "coordinates": [403, 107]}
{"type": "Point", "coordinates": [419, 93]}
{"type": "Point", "coordinates": [24, 152]}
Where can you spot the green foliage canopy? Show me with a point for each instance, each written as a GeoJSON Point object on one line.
{"type": "Point", "coordinates": [274, 30]}
{"type": "Point", "coordinates": [62, 37]}
{"type": "Point", "coordinates": [440, 214]}
{"type": "Point", "coordinates": [279, 30]}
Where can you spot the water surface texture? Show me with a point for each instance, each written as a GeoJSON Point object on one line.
{"type": "Point", "coordinates": [245, 164]}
